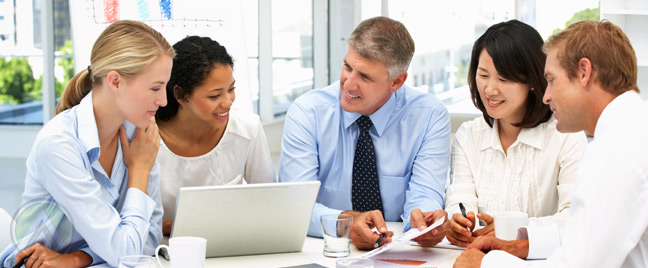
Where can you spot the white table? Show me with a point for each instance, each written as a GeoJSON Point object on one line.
{"type": "Point", "coordinates": [311, 253]}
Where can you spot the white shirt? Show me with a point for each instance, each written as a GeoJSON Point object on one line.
{"type": "Point", "coordinates": [243, 150]}
{"type": "Point", "coordinates": [608, 225]}
{"type": "Point", "coordinates": [535, 176]}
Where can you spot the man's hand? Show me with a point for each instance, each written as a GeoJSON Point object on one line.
{"type": "Point", "coordinates": [422, 220]}
{"type": "Point", "coordinates": [518, 248]}
{"type": "Point", "coordinates": [470, 258]}
{"type": "Point", "coordinates": [41, 256]}
{"type": "Point", "coordinates": [490, 226]}
{"type": "Point", "coordinates": [361, 234]}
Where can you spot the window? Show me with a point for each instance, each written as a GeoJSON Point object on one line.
{"type": "Point", "coordinates": [444, 32]}
{"type": "Point", "coordinates": [251, 28]}
{"type": "Point", "coordinates": [292, 51]}
{"type": "Point", "coordinates": [21, 59]}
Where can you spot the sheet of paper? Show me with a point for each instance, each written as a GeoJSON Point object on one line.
{"type": "Point", "coordinates": [404, 255]}
{"type": "Point", "coordinates": [443, 244]}
{"type": "Point", "coordinates": [403, 239]}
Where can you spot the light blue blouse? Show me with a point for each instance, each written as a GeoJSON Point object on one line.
{"type": "Point", "coordinates": [71, 204]}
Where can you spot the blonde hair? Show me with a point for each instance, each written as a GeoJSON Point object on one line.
{"type": "Point", "coordinates": [606, 46]}
{"type": "Point", "coordinates": [125, 46]}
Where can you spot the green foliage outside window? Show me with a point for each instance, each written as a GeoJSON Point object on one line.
{"type": "Point", "coordinates": [68, 66]}
{"type": "Point", "coordinates": [585, 14]}
{"type": "Point", "coordinates": [17, 83]}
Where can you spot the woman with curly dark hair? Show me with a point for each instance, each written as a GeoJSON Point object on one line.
{"type": "Point", "coordinates": [204, 141]}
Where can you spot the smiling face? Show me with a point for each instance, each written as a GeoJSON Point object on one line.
{"type": "Point", "coordinates": [364, 84]}
{"type": "Point", "coordinates": [503, 99]}
{"type": "Point", "coordinates": [211, 101]}
{"type": "Point", "coordinates": [143, 94]}
{"type": "Point", "coordinates": [562, 96]}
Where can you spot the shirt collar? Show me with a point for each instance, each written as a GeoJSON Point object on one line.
{"type": "Point", "coordinates": [529, 136]}
{"type": "Point", "coordinates": [491, 138]}
{"type": "Point", "coordinates": [379, 118]}
{"type": "Point", "coordinates": [626, 101]}
{"type": "Point", "coordinates": [533, 136]}
{"type": "Point", "coordinates": [87, 127]}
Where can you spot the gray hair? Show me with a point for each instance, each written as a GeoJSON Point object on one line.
{"type": "Point", "coordinates": [385, 40]}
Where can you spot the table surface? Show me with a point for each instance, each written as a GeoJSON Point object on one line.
{"type": "Point", "coordinates": [311, 253]}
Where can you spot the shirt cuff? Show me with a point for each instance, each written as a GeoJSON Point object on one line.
{"type": "Point", "coordinates": [138, 203]}
{"type": "Point", "coordinates": [407, 227]}
{"type": "Point", "coordinates": [95, 258]}
{"type": "Point", "coordinates": [543, 240]}
{"type": "Point", "coordinates": [498, 258]}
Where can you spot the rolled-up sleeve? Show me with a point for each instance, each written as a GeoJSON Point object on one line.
{"type": "Point", "coordinates": [430, 167]}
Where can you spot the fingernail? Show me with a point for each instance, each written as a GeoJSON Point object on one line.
{"type": "Point", "coordinates": [383, 229]}
{"type": "Point", "coordinates": [434, 232]}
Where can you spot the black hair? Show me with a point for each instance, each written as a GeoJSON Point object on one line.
{"type": "Point", "coordinates": [516, 50]}
{"type": "Point", "coordinates": [195, 58]}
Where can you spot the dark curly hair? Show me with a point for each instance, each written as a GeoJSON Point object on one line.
{"type": "Point", "coordinates": [195, 58]}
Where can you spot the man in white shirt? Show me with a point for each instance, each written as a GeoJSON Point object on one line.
{"type": "Point", "coordinates": [592, 73]}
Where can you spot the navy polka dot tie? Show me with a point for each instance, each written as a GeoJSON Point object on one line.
{"type": "Point", "coordinates": [365, 192]}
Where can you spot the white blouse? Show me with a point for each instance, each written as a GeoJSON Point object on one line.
{"type": "Point", "coordinates": [243, 150]}
{"type": "Point", "coordinates": [536, 175]}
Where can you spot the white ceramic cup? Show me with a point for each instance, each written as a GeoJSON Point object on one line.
{"type": "Point", "coordinates": [185, 251]}
{"type": "Point", "coordinates": [507, 224]}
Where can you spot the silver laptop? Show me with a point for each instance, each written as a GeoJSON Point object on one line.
{"type": "Point", "coordinates": [247, 219]}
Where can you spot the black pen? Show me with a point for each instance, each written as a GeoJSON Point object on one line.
{"type": "Point", "coordinates": [463, 212]}
{"type": "Point", "coordinates": [382, 236]}
{"type": "Point", "coordinates": [21, 262]}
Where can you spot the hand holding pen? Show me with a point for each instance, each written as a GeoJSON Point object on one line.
{"type": "Point", "coordinates": [21, 262]}
{"type": "Point", "coordinates": [38, 255]}
{"type": "Point", "coordinates": [461, 226]}
{"type": "Point", "coordinates": [382, 236]}
{"type": "Point", "coordinates": [463, 213]}
{"type": "Point", "coordinates": [362, 234]}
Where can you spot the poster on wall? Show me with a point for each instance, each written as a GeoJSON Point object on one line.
{"type": "Point", "coordinates": [221, 20]}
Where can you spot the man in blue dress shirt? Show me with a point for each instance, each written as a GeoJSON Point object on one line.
{"type": "Point", "coordinates": [408, 130]}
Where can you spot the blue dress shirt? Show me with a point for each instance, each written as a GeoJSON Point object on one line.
{"type": "Point", "coordinates": [71, 204]}
{"type": "Point", "coordinates": [411, 134]}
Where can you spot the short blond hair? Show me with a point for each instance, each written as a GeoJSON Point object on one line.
{"type": "Point", "coordinates": [602, 42]}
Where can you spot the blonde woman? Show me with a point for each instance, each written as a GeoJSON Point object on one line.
{"type": "Point", "coordinates": [92, 185]}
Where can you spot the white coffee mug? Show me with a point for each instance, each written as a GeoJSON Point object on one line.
{"type": "Point", "coordinates": [184, 251]}
{"type": "Point", "coordinates": [507, 224]}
